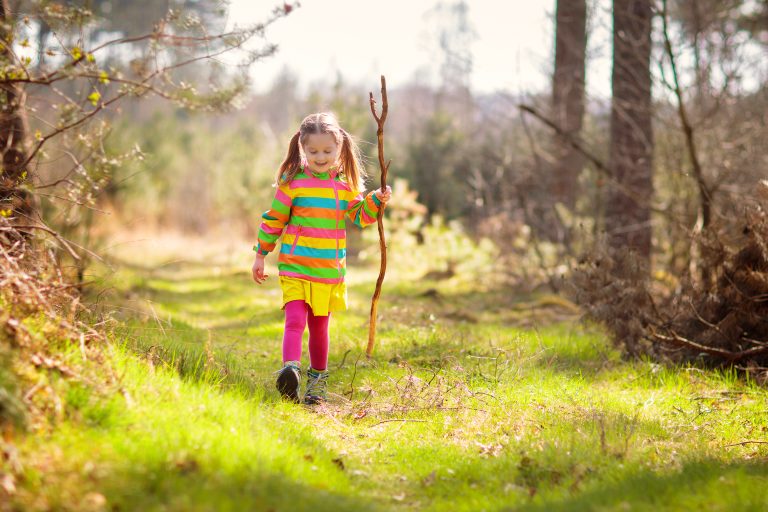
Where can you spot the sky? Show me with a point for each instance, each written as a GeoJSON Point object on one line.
{"type": "Point", "coordinates": [362, 39]}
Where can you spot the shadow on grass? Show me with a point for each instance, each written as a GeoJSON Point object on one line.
{"type": "Point", "coordinates": [185, 486]}
{"type": "Point", "coordinates": [573, 474]}
{"type": "Point", "coordinates": [700, 485]}
{"type": "Point", "coordinates": [472, 306]}
{"type": "Point", "coordinates": [498, 352]}
{"type": "Point", "coordinates": [214, 293]}
{"type": "Point", "coordinates": [189, 355]}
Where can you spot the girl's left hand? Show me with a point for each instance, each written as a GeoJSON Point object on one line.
{"type": "Point", "coordinates": [385, 196]}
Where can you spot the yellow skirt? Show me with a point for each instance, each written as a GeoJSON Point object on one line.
{"type": "Point", "coordinates": [321, 297]}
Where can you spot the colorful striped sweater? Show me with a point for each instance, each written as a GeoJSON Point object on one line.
{"type": "Point", "coordinates": [312, 209]}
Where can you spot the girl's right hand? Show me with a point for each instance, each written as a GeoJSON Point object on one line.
{"type": "Point", "coordinates": [258, 269]}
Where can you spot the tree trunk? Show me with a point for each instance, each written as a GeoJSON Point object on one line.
{"type": "Point", "coordinates": [13, 133]}
{"type": "Point", "coordinates": [628, 212]}
{"type": "Point", "coordinates": [568, 96]}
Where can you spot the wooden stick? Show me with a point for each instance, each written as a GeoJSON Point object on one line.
{"type": "Point", "coordinates": [380, 120]}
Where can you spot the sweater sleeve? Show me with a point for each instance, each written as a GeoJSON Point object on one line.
{"type": "Point", "coordinates": [274, 220]}
{"type": "Point", "coordinates": [363, 210]}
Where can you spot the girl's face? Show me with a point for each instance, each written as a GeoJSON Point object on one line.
{"type": "Point", "coordinates": [321, 151]}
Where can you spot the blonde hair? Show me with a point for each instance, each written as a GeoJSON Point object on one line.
{"type": "Point", "coordinates": [323, 122]}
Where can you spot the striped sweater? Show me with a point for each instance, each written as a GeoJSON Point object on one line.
{"type": "Point", "coordinates": [312, 210]}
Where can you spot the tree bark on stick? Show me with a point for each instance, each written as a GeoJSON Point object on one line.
{"type": "Point", "coordinates": [380, 120]}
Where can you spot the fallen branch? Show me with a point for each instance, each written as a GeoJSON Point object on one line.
{"type": "Point", "coordinates": [676, 339]}
{"type": "Point", "coordinates": [743, 443]}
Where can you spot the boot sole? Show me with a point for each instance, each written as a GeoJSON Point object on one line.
{"type": "Point", "coordinates": [288, 385]}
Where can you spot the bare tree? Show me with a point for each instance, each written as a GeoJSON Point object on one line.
{"type": "Point", "coordinates": [568, 96]}
{"type": "Point", "coordinates": [628, 212]}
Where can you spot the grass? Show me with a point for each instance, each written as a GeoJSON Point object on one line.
{"type": "Point", "coordinates": [474, 401]}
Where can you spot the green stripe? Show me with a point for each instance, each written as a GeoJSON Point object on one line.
{"type": "Point", "coordinates": [270, 239]}
{"type": "Point", "coordinates": [328, 273]}
{"type": "Point", "coordinates": [280, 207]}
{"type": "Point", "coordinates": [368, 210]}
{"type": "Point", "coordinates": [312, 222]}
{"type": "Point", "coordinates": [356, 215]}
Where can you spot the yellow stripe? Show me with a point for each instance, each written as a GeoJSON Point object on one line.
{"type": "Point", "coordinates": [277, 224]}
{"type": "Point", "coordinates": [314, 243]}
{"type": "Point", "coordinates": [345, 195]}
{"type": "Point", "coordinates": [317, 192]}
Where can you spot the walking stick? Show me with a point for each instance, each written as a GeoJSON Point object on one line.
{"type": "Point", "coordinates": [380, 120]}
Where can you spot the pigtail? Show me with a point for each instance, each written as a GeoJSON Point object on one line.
{"type": "Point", "coordinates": [290, 166]}
{"type": "Point", "coordinates": [351, 162]}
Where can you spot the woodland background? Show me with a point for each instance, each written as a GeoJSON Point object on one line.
{"type": "Point", "coordinates": [642, 215]}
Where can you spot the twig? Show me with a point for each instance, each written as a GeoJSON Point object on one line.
{"type": "Point", "coordinates": [55, 234]}
{"type": "Point", "coordinates": [575, 143]}
{"type": "Point", "coordinates": [756, 342]}
{"type": "Point", "coordinates": [704, 191]}
{"type": "Point", "coordinates": [352, 381]}
{"type": "Point", "coordinates": [159, 323]}
{"type": "Point", "coordinates": [341, 364]}
{"type": "Point", "coordinates": [380, 120]}
{"type": "Point", "coordinates": [398, 419]}
{"type": "Point", "coordinates": [676, 339]}
{"type": "Point", "coordinates": [745, 443]}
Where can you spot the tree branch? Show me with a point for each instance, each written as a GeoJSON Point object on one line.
{"type": "Point", "coordinates": [704, 191]}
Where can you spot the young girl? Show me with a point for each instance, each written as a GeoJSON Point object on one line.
{"type": "Point", "coordinates": [318, 184]}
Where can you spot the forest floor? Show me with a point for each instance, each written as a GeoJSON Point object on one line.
{"type": "Point", "coordinates": [475, 399]}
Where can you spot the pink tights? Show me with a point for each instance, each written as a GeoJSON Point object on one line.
{"type": "Point", "coordinates": [297, 315]}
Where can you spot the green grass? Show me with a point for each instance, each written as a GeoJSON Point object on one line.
{"type": "Point", "coordinates": [474, 400]}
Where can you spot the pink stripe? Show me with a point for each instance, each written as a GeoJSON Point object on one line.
{"type": "Point", "coordinates": [283, 197]}
{"type": "Point", "coordinates": [270, 230]}
{"type": "Point", "coordinates": [319, 183]}
{"type": "Point", "coordinates": [308, 278]}
{"type": "Point", "coordinates": [367, 219]}
{"type": "Point", "coordinates": [317, 232]}
{"type": "Point", "coordinates": [312, 183]}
